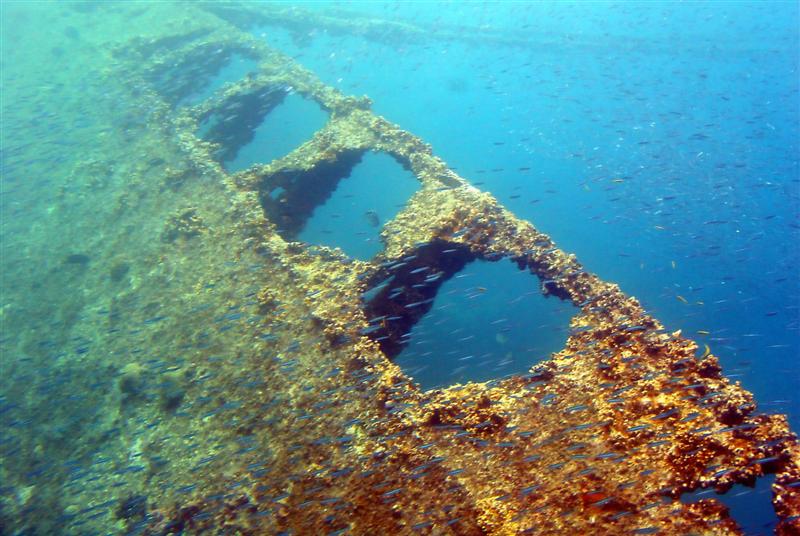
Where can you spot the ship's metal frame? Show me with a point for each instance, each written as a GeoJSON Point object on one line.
{"type": "Point", "coordinates": [601, 438]}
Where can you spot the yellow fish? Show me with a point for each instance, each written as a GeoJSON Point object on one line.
{"type": "Point", "coordinates": [706, 352]}
{"type": "Point", "coordinates": [682, 299]}
{"type": "Point", "coordinates": [703, 332]}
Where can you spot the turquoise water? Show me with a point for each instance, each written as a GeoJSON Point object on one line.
{"type": "Point", "coordinates": [280, 132]}
{"type": "Point", "coordinates": [373, 193]}
{"type": "Point", "coordinates": [656, 141]}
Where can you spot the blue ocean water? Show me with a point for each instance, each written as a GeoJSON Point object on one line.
{"type": "Point", "coordinates": [487, 322]}
{"type": "Point", "coordinates": [373, 193]}
{"type": "Point", "coordinates": [657, 141]}
{"type": "Point", "coordinates": [280, 132]}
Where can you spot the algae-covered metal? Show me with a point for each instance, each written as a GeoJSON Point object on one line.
{"type": "Point", "coordinates": [601, 438]}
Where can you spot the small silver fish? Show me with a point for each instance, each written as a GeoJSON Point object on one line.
{"type": "Point", "coordinates": [372, 218]}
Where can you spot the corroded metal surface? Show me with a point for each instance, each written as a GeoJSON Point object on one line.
{"type": "Point", "coordinates": [602, 438]}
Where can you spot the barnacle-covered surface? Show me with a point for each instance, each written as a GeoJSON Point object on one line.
{"type": "Point", "coordinates": [276, 405]}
